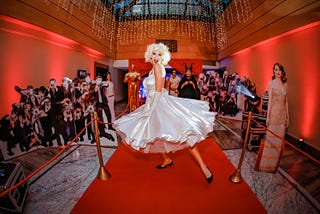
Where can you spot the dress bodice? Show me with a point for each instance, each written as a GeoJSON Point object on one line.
{"type": "Point", "coordinates": [149, 82]}
{"type": "Point", "coordinates": [279, 113]}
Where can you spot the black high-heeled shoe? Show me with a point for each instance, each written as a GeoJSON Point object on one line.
{"type": "Point", "coordinates": [164, 166]}
{"type": "Point", "coordinates": [209, 179]}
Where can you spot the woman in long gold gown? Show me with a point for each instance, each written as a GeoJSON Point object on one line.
{"type": "Point", "coordinates": [277, 122]}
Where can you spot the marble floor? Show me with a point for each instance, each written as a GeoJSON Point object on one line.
{"type": "Point", "coordinates": [293, 189]}
{"type": "Point", "coordinates": [301, 171]}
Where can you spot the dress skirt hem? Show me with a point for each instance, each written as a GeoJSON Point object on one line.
{"type": "Point", "coordinates": [173, 124]}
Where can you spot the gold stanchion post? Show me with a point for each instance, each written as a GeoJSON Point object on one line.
{"type": "Point", "coordinates": [236, 176]}
{"type": "Point", "coordinates": [103, 173]}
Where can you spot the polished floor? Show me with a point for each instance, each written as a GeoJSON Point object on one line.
{"type": "Point", "coordinates": [293, 189]}
{"type": "Point", "coordinates": [298, 169]}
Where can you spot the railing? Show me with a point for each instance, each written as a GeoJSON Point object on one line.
{"type": "Point", "coordinates": [103, 174]}
{"type": "Point", "coordinates": [236, 176]}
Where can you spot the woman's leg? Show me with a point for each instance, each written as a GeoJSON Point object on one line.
{"type": "Point", "coordinates": [196, 154]}
{"type": "Point", "coordinates": [166, 158]}
{"type": "Point", "coordinates": [167, 161]}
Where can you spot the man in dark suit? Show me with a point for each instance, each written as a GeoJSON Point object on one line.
{"type": "Point", "coordinates": [102, 105]}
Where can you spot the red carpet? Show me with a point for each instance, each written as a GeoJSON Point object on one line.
{"type": "Point", "coordinates": [136, 186]}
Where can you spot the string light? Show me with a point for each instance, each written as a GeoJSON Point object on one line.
{"type": "Point", "coordinates": [123, 24]}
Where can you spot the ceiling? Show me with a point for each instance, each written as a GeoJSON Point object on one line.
{"type": "Point", "coordinates": [202, 10]}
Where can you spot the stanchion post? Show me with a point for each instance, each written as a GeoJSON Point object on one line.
{"type": "Point", "coordinates": [103, 173]}
{"type": "Point", "coordinates": [236, 176]}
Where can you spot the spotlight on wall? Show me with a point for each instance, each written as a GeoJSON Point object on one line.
{"type": "Point", "coordinates": [300, 143]}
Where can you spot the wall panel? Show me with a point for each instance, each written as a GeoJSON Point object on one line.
{"type": "Point", "coordinates": [298, 51]}
{"type": "Point", "coordinates": [270, 18]}
{"type": "Point", "coordinates": [76, 27]}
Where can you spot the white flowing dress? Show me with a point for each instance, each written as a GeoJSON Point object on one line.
{"type": "Point", "coordinates": [174, 124]}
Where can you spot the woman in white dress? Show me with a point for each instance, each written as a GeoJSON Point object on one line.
{"type": "Point", "coordinates": [166, 123]}
{"type": "Point", "coordinates": [173, 83]}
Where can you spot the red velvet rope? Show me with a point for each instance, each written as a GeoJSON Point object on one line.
{"type": "Point", "coordinates": [64, 148]}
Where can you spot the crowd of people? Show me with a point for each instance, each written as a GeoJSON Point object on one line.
{"type": "Point", "coordinates": [227, 94]}
{"type": "Point", "coordinates": [57, 113]}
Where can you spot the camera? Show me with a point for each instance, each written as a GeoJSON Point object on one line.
{"type": "Point", "coordinates": [90, 108]}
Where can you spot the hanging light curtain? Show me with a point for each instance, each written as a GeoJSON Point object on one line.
{"type": "Point", "coordinates": [126, 22]}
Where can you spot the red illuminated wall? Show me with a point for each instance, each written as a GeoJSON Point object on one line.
{"type": "Point", "coordinates": [30, 55]}
{"type": "Point", "coordinates": [299, 52]}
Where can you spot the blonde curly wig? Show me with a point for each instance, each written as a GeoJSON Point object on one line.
{"type": "Point", "coordinates": [164, 50]}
